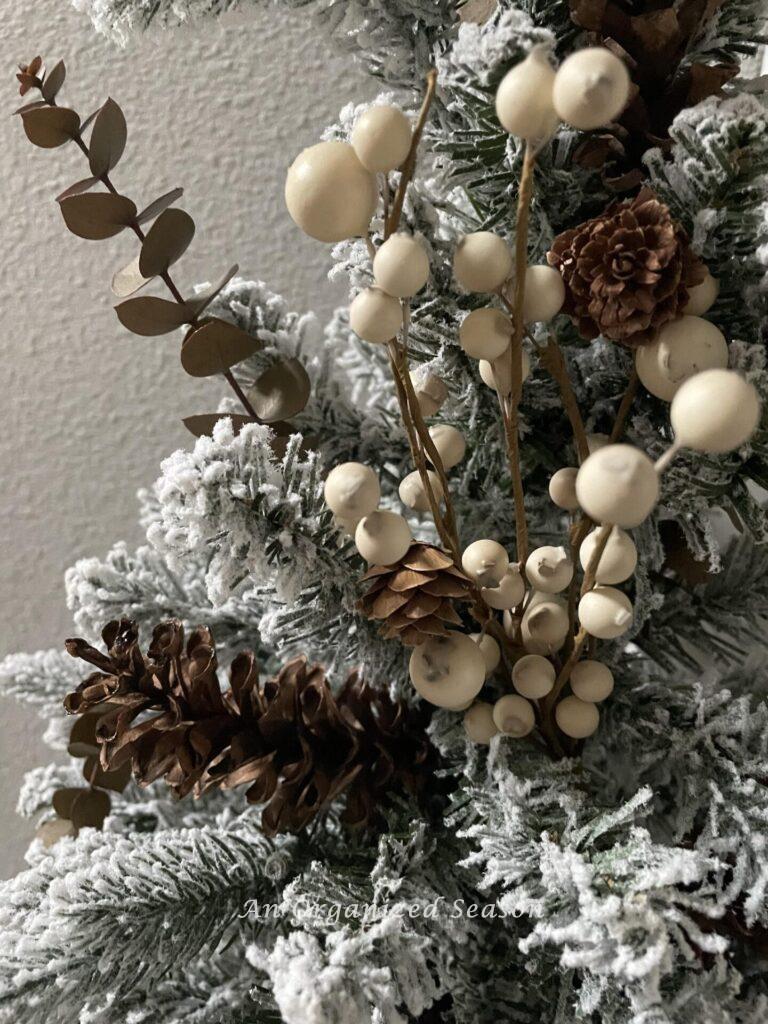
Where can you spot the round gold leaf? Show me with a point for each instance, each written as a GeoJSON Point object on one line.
{"type": "Point", "coordinates": [53, 81]}
{"type": "Point", "coordinates": [90, 808]}
{"type": "Point", "coordinates": [203, 423]}
{"type": "Point", "coordinates": [97, 215]}
{"type": "Point", "coordinates": [129, 280]}
{"type": "Point", "coordinates": [156, 207]}
{"type": "Point", "coordinates": [281, 391]}
{"type": "Point", "coordinates": [214, 347]}
{"type": "Point", "coordinates": [49, 127]}
{"type": "Point", "coordinates": [77, 189]}
{"type": "Point", "coordinates": [166, 241]}
{"type": "Point", "coordinates": [150, 316]}
{"type": "Point", "coordinates": [107, 139]}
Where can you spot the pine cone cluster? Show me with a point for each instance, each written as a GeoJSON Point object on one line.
{"type": "Point", "coordinates": [653, 39]}
{"type": "Point", "coordinates": [627, 272]}
{"type": "Point", "coordinates": [414, 598]}
{"type": "Point", "coordinates": [295, 745]}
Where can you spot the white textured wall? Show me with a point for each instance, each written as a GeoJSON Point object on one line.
{"type": "Point", "coordinates": [89, 410]}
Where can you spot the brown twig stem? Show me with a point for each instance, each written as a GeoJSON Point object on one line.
{"type": "Point", "coordinates": [622, 413]}
{"type": "Point", "coordinates": [165, 276]}
{"type": "Point", "coordinates": [409, 164]}
{"type": "Point", "coordinates": [552, 359]}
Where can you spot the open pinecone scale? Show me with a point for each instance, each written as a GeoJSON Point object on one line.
{"type": "Point", "coordinates": [414, 598]}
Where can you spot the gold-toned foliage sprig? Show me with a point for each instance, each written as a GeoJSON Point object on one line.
{"type": "Point", "coordinates": [94, 209]}
{"type": "Point", "coordinates": [290, 741]}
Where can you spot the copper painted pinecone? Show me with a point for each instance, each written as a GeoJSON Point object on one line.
{"type": "Point", "coordinates": [290, 741]}
{"type": "Point", "coordinates": [626, 272]}
{"type": "Point", "coordinates": [414, 597]}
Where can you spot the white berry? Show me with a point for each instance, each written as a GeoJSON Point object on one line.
{"type": "Point", "coordinates": [401, 266]}
{"type": "Point", "coordinates": [605, 612]}
{"type": "Point", "coordinates": [618, 560]}
{"type": "Point", "coordinates": [508, 593]}
{"type": "Point", "coordinates": [383, 537]}
{"type": "Point", "coordinates": [562, 488]}
{"type": "Point", "coordinates": [701, 297]}
{"type": "Point", "coordinates": [514, 715]}
{"type": "Point", "coordinates": [381, 138]}
{"type": "Point", "coordinates": [450, 444]}
{"type": "Point", "coordinates": [576, 718]}
{"type": "Point", "coordinates": [524, 98]}
{"type": "Point", "coordinates": [549, 569]}
{"type": "Point", "coordinates": [491, 651]}
{"type": "Point", "coordinates": [430, 391]}
{"type": "Point", "coordinates": [412, 492]}
{"type": "Point", "coordinates": [684, 347]}
{"type": "Point", "coordinates": [533, 676]}
{"type": "Point", "coordinates": [498, 374]}
{"type": "Point", "coordinates": [485, 333]}
{"type": "Point", "coordinates": [545, 624]}
{"type": "Point", "coordinates": [352, 490]}
{"type": "Point", "coordinates": [591, 88]}
{"type": "Point", "coordinates": [617, 484]}
{"type": "Point", "coordinates": [544, 294]}
{"type": "Point", "coordinates": [716, 411]}
{"type": "Point", "coordinates": [375, 316]}
{"type": "Point", "coordinates": [482, 262]}
{"type": "Point", "coordinates": [448, 670]}
{"type": "Point", "coordinates": [479, 724]}
{"type": "Point", "coordinates": [591, 680]}
{"type": "Point", "coordinates": [329, 194]}
{"type": "Point", "coordinates": [485, 561]}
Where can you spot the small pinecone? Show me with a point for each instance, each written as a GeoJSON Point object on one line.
{"type": "Point", "coordinates": [289, 740]}
{"type": "Point", "coordinates": [626, 272]}
{"type": "Point", "coordinates": [414, 597]}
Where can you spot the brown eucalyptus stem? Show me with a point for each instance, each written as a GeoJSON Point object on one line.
{"type": "Point", "coordinates": [165, 276]}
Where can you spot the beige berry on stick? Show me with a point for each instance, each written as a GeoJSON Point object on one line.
{"type": "Point", "coordinates": [591, 88]}
{"type": "Point", "coordinates": [576, 718]}
{"type": "Point", "coordinates": [448, 670]}
{"type": "Point", "coordinates": [701, 297]}
{"type": "Point", "coordinates": [401, 266]}
{"type": "Point", "coordinates": [482, 262]}
{"type": "Point", "coordinates": [412, 493]}
{"type": "Point", "coordinates": [381, 138]}
{"type": "Point", "coordinates": [562, 488]}
{"type": "Point", "coordinates": [524, 98]}
{"type": "Point", "coordinates": [684, 347]}
{"type": "Point", "coordinates": [544, 294]}
{"type": "Point", "coordinates": [491, 651]}
{"type": "Point", "coordinates": [605, 612]}
{"type": "Point", "coordinates": [498, 374]}
{"type": "Point", "coordinates": [431, 392]}
{"type": "Point", "coordinates": [591, 681]}
{"type": "Point", "coordinates": [533, 676]}
{"type": "Point", "coordinates": [715, 411]}
{"type": "Point", "coordinates": [514, 715]}
{"type": "Point", "coordinates": [485, 333]}
{"type": "Point", "coordinates": [383, 537]}
{"type": "Point", "coordinates": [486, 562]}
{"type": "Point", "coordinates": [352, 490]}
{"type": "Point", "coordinates": [508, 593]}
{"type": "Point", "coordinates": [479, 724]}
{"type": "Point", "coordinates": [618, 484]}
{"type": "Point", "coordinates": [450, 444]}
{"type": "Point", "coordinates": [618, 559]}
{"type": "Point", "coordinates": [375, 316]}
{"type": "Point", "coordinates": [545, 624]}
{"type": "Point", "coordinates": [549, 569]}
{"type": "Point", "coordinates": [329, 194]}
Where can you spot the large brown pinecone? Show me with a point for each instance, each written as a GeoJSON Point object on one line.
{"type": "Point", "coordinates": [653, 38]}
{"type": "Point", "coordinates": [414, 598]}
{"type": "Point", "coordinates": [626, 272]}
{"type": "Point", "coordinates": [295, 745]}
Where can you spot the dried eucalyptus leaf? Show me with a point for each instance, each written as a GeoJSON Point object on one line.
{"type": "Point", "coordinates": [107, 139]}
{"type": "Point", "coordinates": [156, 207]}
{"type": "Point", "coordinates": [49, 127]}
{"type": "Point", "coordinates": [214, 347]}
{"type": "Point", "coordinates": [150, 316]}
{"type": "Point", "coordinates": [53, 81]}
{"type": "Point", "coordinates": [129, 280]}
{"type": "Point", "coordinates": [82, 739]}
{"type": "Point", "coordinates": [281, 391]}
{"type": "Point", "coordinates": [77, 189]}
{"type": "Point", "coordinates": [202, 301]}
{"type": "Point", "coordinates": [203, 423]}
{"type": "Point", "coordinates": [166, 241]}
{"type": "Point", "coordinates": [90, 808]}
{"type": "Point", "coordinates": [63, 801]}
{"type": "Point", "coordinates": [115, 780]}
{"type": "Point", "coordinates": [91, 117]}
{"type": "Point", "coordinates": [97, 215]}
{"type": "Point", "coordinates": [31, 106]}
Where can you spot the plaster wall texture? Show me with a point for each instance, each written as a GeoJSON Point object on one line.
{"type": "Point", "coordinates": [89, 410]}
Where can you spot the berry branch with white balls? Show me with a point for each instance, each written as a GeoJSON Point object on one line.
{"type": "Point", "coordinates": [629, 276]}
